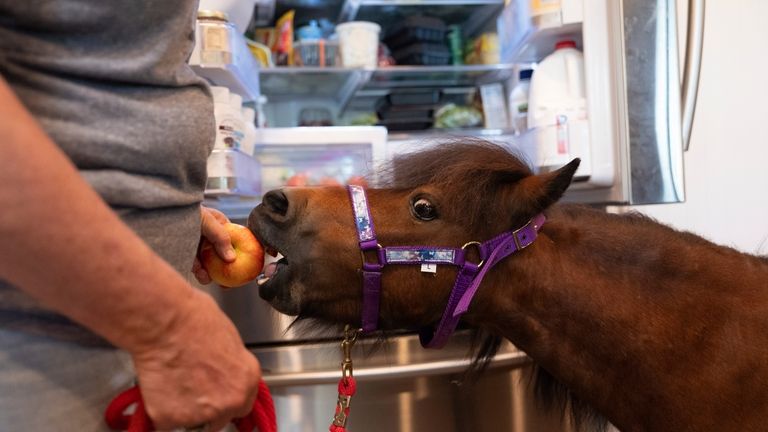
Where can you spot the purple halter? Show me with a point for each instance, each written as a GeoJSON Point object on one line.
{"type": "Point", "coordinates": [468, 280]}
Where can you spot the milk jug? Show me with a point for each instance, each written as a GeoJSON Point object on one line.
{"type": "Point", "coordinates": [557, 109]}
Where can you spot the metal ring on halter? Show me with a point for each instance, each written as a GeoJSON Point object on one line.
{"type": "Point", "coordinates": [378, 258]}
{"type": "Point", "coordinates": [479, 251]}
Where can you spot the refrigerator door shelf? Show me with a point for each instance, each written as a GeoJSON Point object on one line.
{"type": "Point", "coordinates": [222, 57]}
{"type": "Point", "coordinates": [528, 38]}
{"type": "Point", "coordinates": [232, 173]}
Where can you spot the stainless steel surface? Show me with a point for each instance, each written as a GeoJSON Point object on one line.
{"type": "Point", "coordinates": [653, 101]}
{"type": "Point", "coordinates": [692, 66]}
{"type": "Point", "coordinates": [401, 357]}
{"type": "Point", "coordinates": [437, 398]}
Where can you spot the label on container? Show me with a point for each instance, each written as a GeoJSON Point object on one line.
{"type": "Point", "coordinates": [562, 134]}
{"type": "Point", "coordinates": [215, 46]}
{"type": "Point", "coordinates": [541, 7]}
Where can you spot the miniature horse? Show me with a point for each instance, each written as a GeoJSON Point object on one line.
{"type": "Point", "coordinates": [656, 329]}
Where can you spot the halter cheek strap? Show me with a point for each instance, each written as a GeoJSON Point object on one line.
{"type": "Point", "coordinates": [467, 282]}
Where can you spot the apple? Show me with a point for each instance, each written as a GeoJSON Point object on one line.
{"type": "Point", "coordinates": [300, 180]}
{"type": "Point", "coordinates": [357, 180]}
{"type": "Point", "coordinates": [248, 262]}
{"type": "Point", "coordinates": [329, 181]}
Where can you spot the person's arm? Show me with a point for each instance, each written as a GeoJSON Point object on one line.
{"type": "Point", "coordinates": [63, 245]}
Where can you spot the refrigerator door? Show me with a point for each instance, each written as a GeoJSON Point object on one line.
{"type": "Point", "coordinates": [634, 99]}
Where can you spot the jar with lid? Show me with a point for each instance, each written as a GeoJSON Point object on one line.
{"type": "Point", "coordinates": [215, 37]}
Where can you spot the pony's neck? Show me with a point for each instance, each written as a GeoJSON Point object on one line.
{"type": "Point", "coordinates": [629, 315]}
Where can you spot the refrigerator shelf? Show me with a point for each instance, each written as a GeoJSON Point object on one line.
{"type": "Point", "coordinates": [472, 15]}
{"type": "Point", "coordinates": [343, 84]}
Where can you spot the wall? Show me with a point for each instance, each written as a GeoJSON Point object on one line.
{"type": "Point", "coordinates": [726, 168]}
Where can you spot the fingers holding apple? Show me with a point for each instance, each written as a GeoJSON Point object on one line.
{"type": "Point", "coordinates": [247, 264]}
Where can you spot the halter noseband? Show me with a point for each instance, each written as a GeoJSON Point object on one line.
{"type": "Point", "coordinates": [468, 280]}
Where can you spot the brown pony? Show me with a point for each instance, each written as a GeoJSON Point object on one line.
{"type": "Point", "coordinates": [656, 329]}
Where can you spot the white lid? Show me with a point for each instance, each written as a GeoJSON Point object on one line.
{"type": "Point", "coordinates": [236, 100]}
{"type": "Point", "coordinates": [249, 115]}
{"type": "Point", "coordinates": [367, 25]}
{"type": "Point", "coordinates": [220, 94]}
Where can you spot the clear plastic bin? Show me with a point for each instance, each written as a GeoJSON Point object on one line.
{"type": "Point", "coordinates": [316, 52]}
{"type": "Point", "coordinates": [312, 164]}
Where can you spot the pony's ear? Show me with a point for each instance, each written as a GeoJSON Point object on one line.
{"type": "Point", "coordinates": [543, 190]}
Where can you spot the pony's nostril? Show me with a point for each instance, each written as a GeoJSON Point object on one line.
{"type": "Point", "coordinates": [276, 202]}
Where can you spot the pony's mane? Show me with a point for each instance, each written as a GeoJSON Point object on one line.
{"type": "Point", "coordinates": [466, 171]}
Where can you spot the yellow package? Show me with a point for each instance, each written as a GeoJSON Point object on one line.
{"type": "Point", "coordinates": [284, 47]}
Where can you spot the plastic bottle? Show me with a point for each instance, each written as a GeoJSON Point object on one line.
{"type": "Point", "coordinates": [261, 116]}
{"type": "Point", "coordinates": [518, 102]}
{"type": "Point", "coordinates": [230, 128]}
{"type": "Point", "coordinates": [557, 108]}
{"type": "Point", "coordinates": [221, 111]}
{"type": "Point", "coordinates": [249, 140]}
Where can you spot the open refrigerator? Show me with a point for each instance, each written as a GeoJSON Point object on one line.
{"type": "Point", "coordinates": [638, 116]}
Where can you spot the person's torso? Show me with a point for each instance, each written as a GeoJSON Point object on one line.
{"type": "Point", "coordinates": [109, 82]}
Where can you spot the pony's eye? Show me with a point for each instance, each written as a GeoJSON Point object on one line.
{"type": "Point", "coordinates": [424, 210]}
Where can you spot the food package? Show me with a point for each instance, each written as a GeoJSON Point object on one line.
{"type": "Point", "coordinates": [453, 116]}
{"type": "Point", "coordinates": [484, 49]}
{"type": "Point", "coordinates": [283, 49]}
{"type": "Point", "coordinates": [261, 52]}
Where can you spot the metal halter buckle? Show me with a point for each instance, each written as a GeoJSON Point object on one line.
{"type": "Point", "coordinates": [477, 244]}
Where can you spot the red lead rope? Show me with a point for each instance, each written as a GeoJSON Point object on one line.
{"type": "Point", "coordinates": [347, 388]}
{"type": "Point", "coordinates": [347, 383]}
{"type": "Point", "coordinates": [261, 418]}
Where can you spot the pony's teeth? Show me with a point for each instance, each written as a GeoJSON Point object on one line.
{"type": "Point", "coordinates": [262, 280]}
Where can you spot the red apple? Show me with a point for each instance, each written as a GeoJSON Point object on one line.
{"type": "Point", "coordinates": [329, 181]}
{"type": "Point", "coordinates": [300, 180]}
{"type": "Point", "coordinates": [248, 262]}
{"type": "Point", "coordinates": [357, 180]}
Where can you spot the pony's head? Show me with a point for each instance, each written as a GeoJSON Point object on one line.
{"type": "Point", "coordinates": [446, 196]}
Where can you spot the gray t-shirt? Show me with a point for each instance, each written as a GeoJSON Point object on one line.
{"type": "Point", "coordinates": [109, 82]}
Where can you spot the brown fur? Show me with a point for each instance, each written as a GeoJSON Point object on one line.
{"type": "Point", "coordinates": [658, 330]}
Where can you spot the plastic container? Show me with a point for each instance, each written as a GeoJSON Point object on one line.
{"type": "Point", "coordinates": [456, 44]}
{"type": "Point", "coordinates": [249, 138]}
{"type": "Point", "coordinates": [214, 37]}
{"type": "Point", "coordinates": [385, 110]}
{"type": "Point", "coordinates": [315, 52]}
{"type": "Point", "coordinates": [518, 102]}
{"type": "Point", "coordinates": [230, 128]}
{"type": "Point", "coordinates": [407, 124]}
{"type": "Point", "coordinates": [416, 29]}
{"type": "Point", "coordinates": [315, 117]}
{"type": "Point", "coordinates": [238, 11]}
{"type": "Point", "coordinates": [423, 54]}
{"type": "Point", "coordinates": [557, 106]}
{"type": "Point", "coordinates": [311, 31]}
{"type": "Point", "coordinates": [418, 97]}
{"type": "Point", "coordinates": [359, 43]}
{"type": "Point", "coordinates": [546, 13]}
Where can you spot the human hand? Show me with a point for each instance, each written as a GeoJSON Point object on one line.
{"type": "Point", "coordinates": [198, 372]}
{"type": "Point", "coordinates": [212, 228]}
